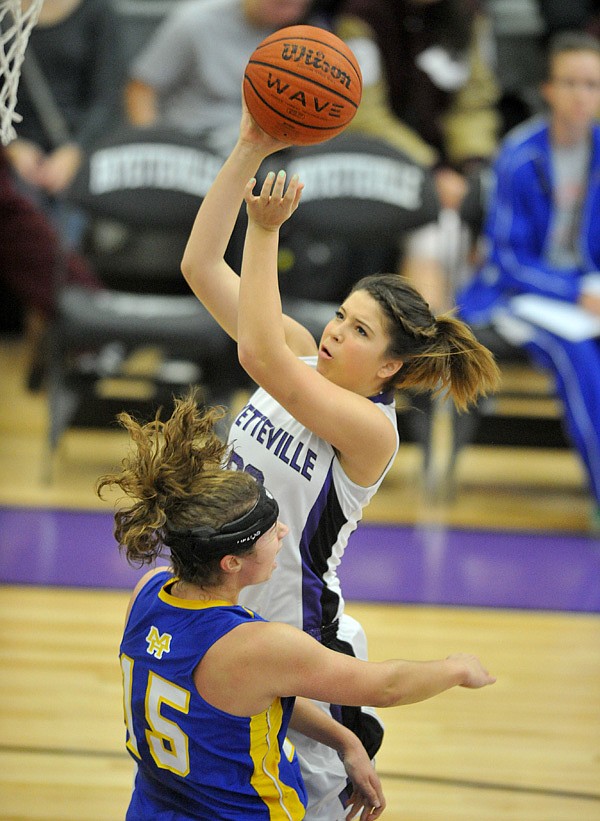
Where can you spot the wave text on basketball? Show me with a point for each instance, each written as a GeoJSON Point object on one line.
{"type": "Point", "coordinates": [300, 96]}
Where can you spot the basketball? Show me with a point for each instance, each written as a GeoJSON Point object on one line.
{"type": "Point", "coordinates": [302, 85]}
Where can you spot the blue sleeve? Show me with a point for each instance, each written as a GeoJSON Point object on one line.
{"type": "Point", "coordinates": [516, 229]}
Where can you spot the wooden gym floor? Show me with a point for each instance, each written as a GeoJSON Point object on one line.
{"type": "Point", "coordinates": [526, 749]}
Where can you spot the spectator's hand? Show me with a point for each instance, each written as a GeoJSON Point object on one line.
{"type": "Point", "coordinates": [367, 797]}
{"type": "Point", "coordinates": [59, 168]}
{"type": "Point", "coordinates": [273, 206]}
{"type": "Point", "coordinates": [141, 104]}
{"type": "Point", "coordinates": [451, 187]}
{"type": "Point", "coordinates": [26, 158]}
{"type": "Point", "coordinates": [475, 674]}
{"type": "Point", "coordinates": [590, 301]}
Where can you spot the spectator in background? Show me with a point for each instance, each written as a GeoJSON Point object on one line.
{"type": "Point", "coordinates": [544, 242]}
{"type": "Point", "coordinates": [189, 76]}
{"type": "Point", "coordinates": [70, 92]}
{"type": "Point", "coordinates": [430, 89]}
{"type": "Point", "coordinates": [31, 259]}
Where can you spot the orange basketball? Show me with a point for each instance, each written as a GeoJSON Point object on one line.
{"type": "Point", "coordinates": [302, 85]}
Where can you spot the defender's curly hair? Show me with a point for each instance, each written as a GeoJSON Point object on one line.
{"type": "Point", "coordinates": [174, 474]}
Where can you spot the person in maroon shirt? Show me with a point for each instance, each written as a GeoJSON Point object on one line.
{"type": "Point", "coordinates": [32, 258]}
{"type": "Point", "coordinates": [31, 254]}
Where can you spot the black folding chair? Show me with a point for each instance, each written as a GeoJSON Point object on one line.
{"type": "Point", "coordinates": [140, 191]}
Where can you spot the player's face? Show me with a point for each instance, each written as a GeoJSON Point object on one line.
{"type": "Point", "coordinates": [573, 91]}
{"type": "Point", "coordinates": [353, 347]}
{"type": "Point", "coordinates": [261, 562]}
{"type": "Point", "coordinates": [276, 13]}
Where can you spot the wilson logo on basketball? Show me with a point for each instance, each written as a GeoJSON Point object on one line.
{"type": "Point", "coordinates": [302, 85]}
{"type": "Point", "coordinates": [308, 57]}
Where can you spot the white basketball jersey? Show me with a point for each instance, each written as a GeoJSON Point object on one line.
{"type": "Point", "coordinates": [317, 501]}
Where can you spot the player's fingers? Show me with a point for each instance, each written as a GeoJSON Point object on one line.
{"type": "Point", "coordinates": [353, 806]}
{"type": "Point", "coordinates": [248, 191]}
{"type": "Point", "coordinates": [294, 191]}
{"type": "Point", "coordinates": [267, 186]}
{"type": "Point", "coordinates": [279, 186]}
{"type": "Point", "coordinates": [373, 808]}
{"type": "Point", "coordinates": [298, 194]}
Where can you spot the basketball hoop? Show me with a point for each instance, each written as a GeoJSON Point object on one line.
{"type": "Point", "coordinates": [15, 28]}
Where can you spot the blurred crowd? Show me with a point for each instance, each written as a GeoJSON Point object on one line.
{"type": "Point", "coordinates": [433, 88]}
{"type": "Point", "coordinates": [454, 85]}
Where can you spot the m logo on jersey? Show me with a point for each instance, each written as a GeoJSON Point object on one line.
{"type": "Point", "coordinates": [158, 643]}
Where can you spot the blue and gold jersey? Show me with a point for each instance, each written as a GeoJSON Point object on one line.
{"type": "Point", "coordinates": [193, 760]}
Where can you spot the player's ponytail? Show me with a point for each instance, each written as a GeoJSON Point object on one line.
{"type": "Point", "coordinates": [438, 353]}
{"type": "Point", "coordinates": [451, 360]}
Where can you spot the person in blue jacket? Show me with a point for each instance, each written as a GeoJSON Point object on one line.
{"type": "Point", "coordinates": [542, 255]}
{"type": "Point", "coordinates": [208, 685]}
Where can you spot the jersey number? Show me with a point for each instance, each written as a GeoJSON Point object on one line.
{"type": "Point", "coordinates": [235, 460]}
{"type": "Point", "coordinates": [168, 744]}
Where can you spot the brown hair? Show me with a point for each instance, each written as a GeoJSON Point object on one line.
{"type": "Point", "coordinates": [569, 41]}
{"type": "Point", "coordinates": [438, 353]}
{"type": "Point", "coordinates": [174, 475]}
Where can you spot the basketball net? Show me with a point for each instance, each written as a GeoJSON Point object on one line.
{"type": "Point", "coordinates": [15, 28]}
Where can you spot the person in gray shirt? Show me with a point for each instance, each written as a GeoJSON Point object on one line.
{"type": "Point", "coordinates": [189, 75]}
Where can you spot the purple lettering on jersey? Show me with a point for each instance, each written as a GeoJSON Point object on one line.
{"type": "Point", "coordinates": [309, 463]}
{"type": "Point", "coordinates": [255, 413]}
{"type": "Point", "coordinates": [262, 431]}
{"type": "Point", "coordinates": [284, 450]}
{"type": "Point", "coordinates": [235, 461]}
{"type": "Point", "coordinates": [244, 412]}
{"type": "Point", "coordinates": [294, 460]}
{"type": "Point", "coordinates": [260, 418]}
{"type": "Point", "coordinates": [273, 437]}
{"type": "Point", "coordinates": [277, 440]}
{"type": "Point", "coordinates": [281, 442]}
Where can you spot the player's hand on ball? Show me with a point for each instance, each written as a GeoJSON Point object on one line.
{"type": "Point", "coordinates": [251, 132]}
{"type": "Point", "coordinates": [275, 204]}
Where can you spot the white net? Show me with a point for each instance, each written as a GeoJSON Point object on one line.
{"type": "Point", "coordinates": [15, 27]}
